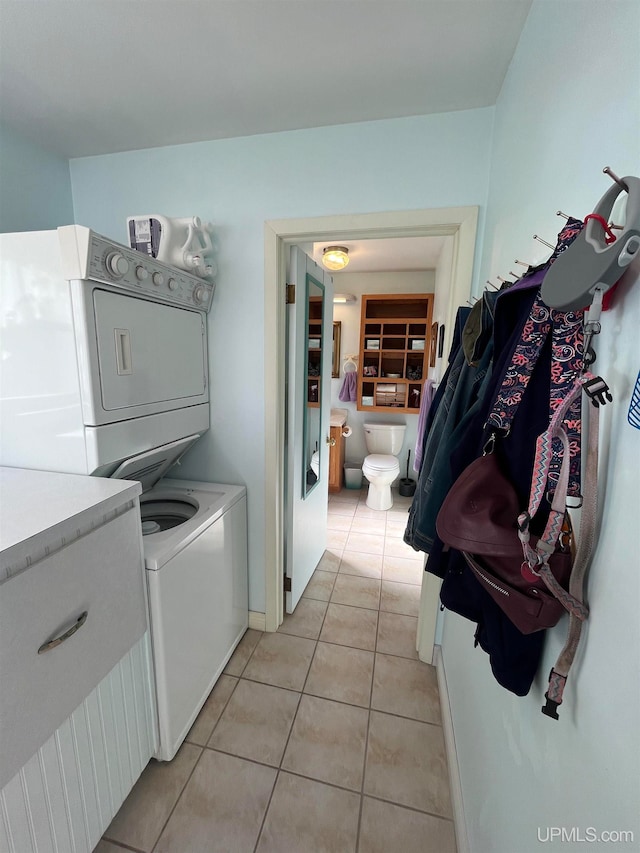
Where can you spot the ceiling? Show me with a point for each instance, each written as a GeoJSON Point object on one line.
{"type": "Point", "coordinates": [394, 254]}
{"type": "Point", "coordinates": [99, 76]}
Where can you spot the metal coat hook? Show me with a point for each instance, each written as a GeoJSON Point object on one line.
{"type": "Point", "coordinates": [607, 170]}
{"type": "Point", "coordinates": [522, 263]}
{"type": "Point", "coordinates": [492, 285]}
{"type": "Point", "coordinates": [514, 274]}
{"type": "Point", "coordinates": [503, 280]}
{"type": "Point", "coordinates": [563, 215]}
{"type": "Point", "coordinates": [540, 240]}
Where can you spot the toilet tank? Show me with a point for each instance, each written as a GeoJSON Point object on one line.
{"type": "Point", "coordinates": [384, 438]}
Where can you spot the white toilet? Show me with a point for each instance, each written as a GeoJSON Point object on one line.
{"type": "Point", "coordinates": [381, 466]}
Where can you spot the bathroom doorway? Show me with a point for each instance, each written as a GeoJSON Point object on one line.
{"type": "Point", "coordinates": [460, 224]}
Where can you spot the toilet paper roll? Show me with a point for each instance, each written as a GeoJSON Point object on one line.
{"type": "Point", "coordinates": [347, 431]}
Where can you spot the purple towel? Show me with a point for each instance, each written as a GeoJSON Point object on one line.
{"type": "Point", "coordinates": [349, 386]}
{"type": "Point", "coordinates": [428, 392]}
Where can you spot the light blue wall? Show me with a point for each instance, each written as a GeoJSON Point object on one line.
{"type": "Point", "coordinates": [412, 163]}
{"type": "Point", "coordinates": [35, 185]}
{"type": "Point", "coordinates": [570, 105]}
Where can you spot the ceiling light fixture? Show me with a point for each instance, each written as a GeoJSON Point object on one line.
{"type": "Point", "coordinates": [335, 257]}
{"type": "Point", "coordinates": [343, 298]}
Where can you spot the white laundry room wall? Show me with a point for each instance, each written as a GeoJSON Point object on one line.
{"type": "Point", "coordinates": [401, 164]}
{"type": "Point", "coordinates": [349, 315]}
{"type": "Point", "coordinates": [569, 106]}
{"type": "Point", "coordinates": [36, 185]}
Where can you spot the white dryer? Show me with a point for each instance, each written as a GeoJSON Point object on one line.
{"type": "Point", "coordinates": [103, 352]}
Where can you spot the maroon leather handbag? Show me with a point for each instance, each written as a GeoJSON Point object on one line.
{"type": "Point", "coordinates": [479, 519]}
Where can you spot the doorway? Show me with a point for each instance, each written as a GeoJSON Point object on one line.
{"type": "Point", "coordinates": [459, 223]}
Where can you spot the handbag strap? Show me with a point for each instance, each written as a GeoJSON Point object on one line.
{"type": "Point", "coordinates": [536, 560]}
{"type": "Point", "coordinates": [560, 671]}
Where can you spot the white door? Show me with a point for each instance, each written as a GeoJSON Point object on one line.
{"type": "Point", "coordinates": [309, 352]}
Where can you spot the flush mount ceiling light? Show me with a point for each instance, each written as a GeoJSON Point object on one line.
{"type": "Point", "coordinates": [335, 257]}
{"type": "Point", "coordinates": [343, 298]}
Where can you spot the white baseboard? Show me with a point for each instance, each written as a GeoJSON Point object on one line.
{"type": "Point", "coordinates": [462, 838]}
{"type": "Point", "coordinates": [257, 620]}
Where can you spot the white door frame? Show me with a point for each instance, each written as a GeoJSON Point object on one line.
{"type": "Point", "coordinates": [458, 222]}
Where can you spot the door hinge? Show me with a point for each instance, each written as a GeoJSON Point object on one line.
{"type": "Point", "coordinates": [291, 294]}
{"type": "Point", "coordinates": [287, 584]}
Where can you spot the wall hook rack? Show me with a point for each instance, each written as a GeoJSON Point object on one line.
{"type": "Point", "coordinates": [592, 264]}
{"type": "Point", "coordinates": [540, 240]}
{"type": "Point", "coordinates": [608, 171]}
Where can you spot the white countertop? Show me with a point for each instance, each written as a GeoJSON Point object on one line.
{"type": "Point", "coordinates": [37, 505]}
{"type": "Point", "coordinates": [338, 417]}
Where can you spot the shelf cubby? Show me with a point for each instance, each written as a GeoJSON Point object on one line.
{"type": "Point", "coordinates": [392, 369]}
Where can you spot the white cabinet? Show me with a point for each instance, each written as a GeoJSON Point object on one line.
{"type": "Point", "coordinates": [77, 724]}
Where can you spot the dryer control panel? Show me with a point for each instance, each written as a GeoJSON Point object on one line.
{"type": "Point", "coordinates": [87, 255]}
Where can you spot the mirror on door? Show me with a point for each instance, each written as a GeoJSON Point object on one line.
{"type": "Point", "coordinates": [312, 446]}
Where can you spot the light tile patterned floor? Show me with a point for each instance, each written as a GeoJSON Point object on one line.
{"type": "Point", "coordinates": [325, 737]}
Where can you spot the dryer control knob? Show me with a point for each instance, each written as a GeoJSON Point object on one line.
{"type": "Point", "coordinates": [172, 283]}
{"type": "Point", "coordinates": [199, 293]}
{"type": "Point", "coordinates": [157, 278]}
{"type": "Point", "coordinates": [141, 274]}
{"type": "Point", "coordinates": [117, 264]}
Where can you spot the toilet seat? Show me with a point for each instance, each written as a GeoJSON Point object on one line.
{"type": "Point", "coordinates": [382, 462]}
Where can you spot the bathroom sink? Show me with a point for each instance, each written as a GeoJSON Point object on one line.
{"type": "Point", "coordinates": [338, 417]}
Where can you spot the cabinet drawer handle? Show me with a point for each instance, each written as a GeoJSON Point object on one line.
{"type": "Point", "coordinates": [45, 647]}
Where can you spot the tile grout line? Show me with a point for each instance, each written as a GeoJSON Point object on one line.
{"type": "Point", "coordinates": [180, 795]}
{"type": "Point", "coordinates": [366, 741]}
{"type": "Point", "coordinates": [279, 769]}
{"type": "Point", "coordinates": [197, 746]}
{"type": "Point", "coordinates": [284, 751]}
{"type": "Point", "coordinates": [266, 811]}
{"type": "Point", "coordinates": [202, 748]}
{"type": "Point", "coordinates": [224, 708]}
{"type": "Point", "coordinates": [329, 699]}
{"type": "Point", "coordinates": [409, 808]}
{"type": "Point", "coordinates": [121, 845]}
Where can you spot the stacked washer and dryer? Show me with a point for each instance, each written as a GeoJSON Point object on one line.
{"type": "Point", "coordinates": [104, 371]}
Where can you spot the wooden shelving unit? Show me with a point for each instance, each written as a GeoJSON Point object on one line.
{"type": "Point", "coordinates": [395, 338]}
{"type": "Point", "coordinates": [314, 361]}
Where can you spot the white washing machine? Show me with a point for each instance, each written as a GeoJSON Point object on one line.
{"type": "Point", "coordinates": [195, 546]}
{"type": "Point", "coordinates": [104, 371]}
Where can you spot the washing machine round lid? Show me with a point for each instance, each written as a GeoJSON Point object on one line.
{"type": "Point", "coordinates": [164, 513]}
{"type": "Point", "coordinates": [381, 462]}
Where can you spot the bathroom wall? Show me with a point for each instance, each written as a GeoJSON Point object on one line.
{"type": "Point", "coordinates": [569, 106]}
{"type": "Point", "coordinates": [430, 161]}
{"type": "Point", "coordinates": [35, 185]}
{"type": "Point", "coordinates": [349, 316]}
